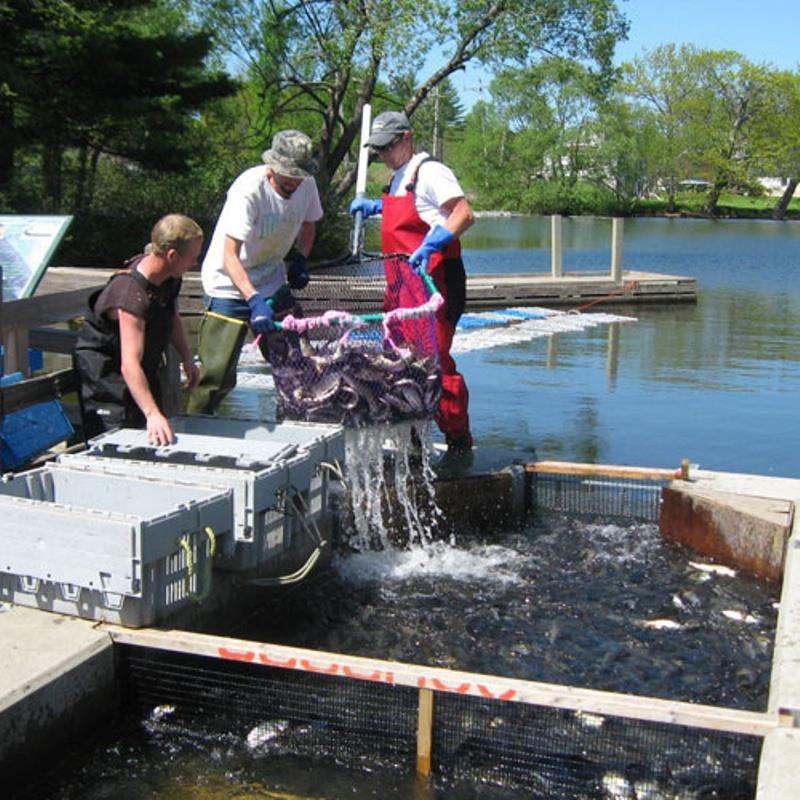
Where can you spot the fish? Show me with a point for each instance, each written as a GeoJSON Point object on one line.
{"type": "Point", "coordinates": [350, 381]}
{"type": "Point", "coordinates": [663, 624]}
{"type": "Point", "coordinates": [160, 712]}
{"type": "Point", "coordinates": [738, 616]}
{"type": "Point", "coordinates": [714, 569]}
{"type": "Point", "coordinates": [266, 732]}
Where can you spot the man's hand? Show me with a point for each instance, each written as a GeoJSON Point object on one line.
{"type": "Point", "coordinates": [298, 272]}
{"type": "Point", "coordinates": [366, 206]}
{"type": "Point", "coordinates": [437, 239]}
{"type": "Point", "coordinates": [261, 315]}
{"type": "Point", "coordinates": [192, 372]}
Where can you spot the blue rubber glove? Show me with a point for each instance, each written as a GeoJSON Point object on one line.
{"type": "Point", "coordinates": [298, 272]}
{"type": "Point", "coordinates": [438, 238]}
{"type": "Point", "coordinates": [366, 206]}
{"type": "Point", "coordinates": [261, 315]}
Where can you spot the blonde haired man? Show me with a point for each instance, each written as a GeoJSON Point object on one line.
{"type": "Point", "coordinates": [127, 328]}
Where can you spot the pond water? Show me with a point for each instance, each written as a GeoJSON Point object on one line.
{"type": "Point", "coordinates": [715, 382]}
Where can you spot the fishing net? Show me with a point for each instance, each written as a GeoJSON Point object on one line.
{"type": "Point", "coordinates": [364, 369]}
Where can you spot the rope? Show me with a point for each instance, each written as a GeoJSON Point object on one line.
{"type": "Point", "coordinates": [626, 289]}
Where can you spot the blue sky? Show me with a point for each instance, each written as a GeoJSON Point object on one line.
{"type": "Point", "coordinates": [764, 31]}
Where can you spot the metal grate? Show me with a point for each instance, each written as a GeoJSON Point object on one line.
{"type": "Point", "coordinates": [518, 749]}
{"type": "Point", "coordinates": [556, 753]}
{"type": "Point", "coordinates": [348, 720]}
{"type": "Point", "coordinates": [632, 498]}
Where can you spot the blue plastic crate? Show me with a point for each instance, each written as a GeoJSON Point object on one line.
{"type": "Point", "coordinates": [27, 433]}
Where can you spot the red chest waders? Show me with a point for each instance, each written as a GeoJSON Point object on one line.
{"type": "Point", "coordinates": [402, 231]}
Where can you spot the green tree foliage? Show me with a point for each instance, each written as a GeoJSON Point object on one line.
{"type": "Point", "coordinates": [662, 84]}
{"type": "Point", "coordinates": [777, 135]}
{"type": "Point", "coordinates": [317, 62]}
{"type": "Point", "coordinates": [733, 96]}
{"type": "Point", "coordinates": [92, 79]}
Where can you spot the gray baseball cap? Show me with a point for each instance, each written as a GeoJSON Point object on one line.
{"type": "Point", "coordinates": [386, 127]}
{"type": "Point", "coordinates": [290, 155]}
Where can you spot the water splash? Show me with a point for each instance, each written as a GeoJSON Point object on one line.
{"type": "Point", "coordinates": [391, 495]}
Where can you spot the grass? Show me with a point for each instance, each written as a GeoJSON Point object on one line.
{"type": "Point", "coordinates": [729, 205]}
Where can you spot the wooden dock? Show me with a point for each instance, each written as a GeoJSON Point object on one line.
{"type": "Point", "coordinates": [484, 292]}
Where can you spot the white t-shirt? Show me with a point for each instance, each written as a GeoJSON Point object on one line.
{"type": "Point", "coordinates": [266, 224]}
{"type": "Point", "coordinates": [436, 184]}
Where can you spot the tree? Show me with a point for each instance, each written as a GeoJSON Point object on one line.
{"type": "Point", "coordinates": [663, 83]}
{"type": "Point", "coordinates": [321, 61]}
{"type": "Point", "coordinates": [778, 135]}
{"type": "Point", "coordinates": [733, 96]}
{"type": "Point", "coordinates": [89, 78]}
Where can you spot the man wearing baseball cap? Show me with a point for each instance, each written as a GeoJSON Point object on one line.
{"type": "Point", "coordinates": [424, 212]}
{"type": "Point", "coordinates": [268, 210]}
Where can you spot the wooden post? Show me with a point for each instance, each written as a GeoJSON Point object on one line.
{"type": "Point", "coordinates": [15, 344]}
{"type": "Point", "coordinates": [616, 251]}
{"type": "Point", "coordinates": [556, 264]}
{"type": "Point", "coordinates": [424, 732]}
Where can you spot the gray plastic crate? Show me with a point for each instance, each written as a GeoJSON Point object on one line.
{"type": "Point", "coordinates": [124, 549]}
{"type": "Point", "coordinates": [325, 445]}
{"type": "Point", "coordinates": [222, 441]}
{"type": "Point", "coordinates": [260, 531]}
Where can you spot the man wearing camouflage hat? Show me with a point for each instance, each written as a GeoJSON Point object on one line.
{"type": "Point", "coordinates": [245, 280]}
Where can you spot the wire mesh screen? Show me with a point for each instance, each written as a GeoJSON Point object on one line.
{"type": "Point", "coordinates": [636, 499]}
{"type": "Point", "coordinates": [518, 750]}
{"type": "Point", "coordinates": [304, 713]}
{"type": "Point", "coordinates": [380, 367]}
{"type": "Point", "coordinates": [566, 755]}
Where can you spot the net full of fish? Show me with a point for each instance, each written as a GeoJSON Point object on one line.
{"type": "Point", "coordinates": [359, 370]}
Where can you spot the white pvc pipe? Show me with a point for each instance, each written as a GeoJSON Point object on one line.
{"type": "Point", "coordinates": [361, 174]}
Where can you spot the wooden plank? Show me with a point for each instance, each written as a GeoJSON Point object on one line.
{"type": "Point", "coordinates": [484, 292]}
{"type": "Point", "coordinates": [424, 732]}
{"type": "Point", "coordinates": [37, 390]}
{"type": "Point", "coordinates": [603, 470]}
{"type": "Point", "coordinates": [53, 340]}
{"type": "Point", "coordinates": [651, 709]}
{"type": "Point", "coordinates": [46, 309]}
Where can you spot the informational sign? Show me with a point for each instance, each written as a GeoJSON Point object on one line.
{"type": "Point", "coordinates": [27, 243]}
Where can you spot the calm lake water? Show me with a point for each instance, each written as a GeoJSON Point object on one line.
{"type": "Point", "coordinates": [716, 382]}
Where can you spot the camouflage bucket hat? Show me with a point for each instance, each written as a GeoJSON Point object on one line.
{"type": "Point", "coordinates": [290, 155]}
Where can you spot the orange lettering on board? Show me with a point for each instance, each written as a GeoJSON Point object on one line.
{"type": "Point", "coordinates": [462, 688]}
{"type": "Point", "coordinates": [236, 655]}
{"type": "Point", "coordinates": [307, 665]}
{"type": "Point", "coordinates": [351, 673]}
{"type": "Point", "coordinates": [506, 695]}
{"type": "Point", "coordinates": [289, 663]}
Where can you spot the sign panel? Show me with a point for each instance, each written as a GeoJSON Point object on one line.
{"type": "Point", "coordinates": [27, 242]}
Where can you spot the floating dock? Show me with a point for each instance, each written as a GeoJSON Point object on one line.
{"type": "Point", "coordinates": [484, 292]}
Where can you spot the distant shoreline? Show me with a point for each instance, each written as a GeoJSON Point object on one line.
{"type": "Point", "coordinates": [724, 215]}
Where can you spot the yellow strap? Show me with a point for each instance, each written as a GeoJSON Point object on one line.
{"type": "Point", "coordinates": [224, 318]}
{"type": "Point", "coordinates": [186, 545]}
